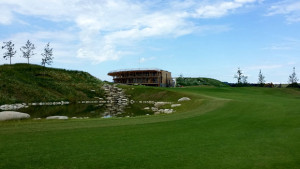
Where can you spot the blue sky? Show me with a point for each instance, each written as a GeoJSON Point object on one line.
{"type": "Point", "coordinates": [208, 38]}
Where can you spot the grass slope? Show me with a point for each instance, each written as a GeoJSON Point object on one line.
{"type": "Point", "coordinates": [219, 128]}
{"type": "Point", "coordinates": [33, 83]}
{"type": "Point", "coordinates": [190, 81]}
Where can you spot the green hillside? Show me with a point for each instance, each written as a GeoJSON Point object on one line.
{"type": "Point", "coordinates": [190, 81]}
{"type": "Point", "coordinates": [33, 83]}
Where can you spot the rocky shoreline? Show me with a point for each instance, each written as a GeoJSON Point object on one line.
{"type": "Point", "coordinates": [115, 102]}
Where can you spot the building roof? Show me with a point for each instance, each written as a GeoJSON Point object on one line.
{"type": "Point", "coordinates": [138, 69]}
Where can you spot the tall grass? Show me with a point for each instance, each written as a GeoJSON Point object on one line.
{"type": "Point", "coordinates": [33, 83]}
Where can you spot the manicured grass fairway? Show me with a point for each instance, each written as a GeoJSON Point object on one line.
{"type": "Point", "coordinates": [219, 128]}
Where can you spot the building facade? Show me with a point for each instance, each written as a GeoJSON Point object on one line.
{"type": "Point", "coordinates": [147, 77]}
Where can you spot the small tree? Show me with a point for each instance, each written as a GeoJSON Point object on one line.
{"type": "Point", "coordinates": [47, 55]}
{"type": "Point", "coordinates": [239, 76]}
{"type": "Point", "coordinates": [261, 79]}
{"type": "Point", "coordinates": [293, 77]}
{"type": "Point", "coordinates": [241, 79]}
{"type": "Point", "coordinates": [27, 50]}
{"type": "Point", "coordinates": [9, 46]}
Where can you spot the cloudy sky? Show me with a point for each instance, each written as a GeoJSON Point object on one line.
{"type": "Point", "coordinates": [195, 38]}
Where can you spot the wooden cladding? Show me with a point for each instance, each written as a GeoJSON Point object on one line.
{"type": "Point", "coordinates": [143, 77]}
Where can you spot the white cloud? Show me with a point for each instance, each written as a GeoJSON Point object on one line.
{"type": "Point", "coordinates": [220, 9]}
{"type": "Point", "coordinates": [278, 47]}
{"type": "Point", "coordinates": [290, 9]}
{"type": "Point", "coordinates": [286, 43]}
{"type": "Point", "coordinates": [106, 26]}
{"type": "Point", "coordinates": [6, 16]}
{"type": "Point", "coordinates": [143, 59]}
{"type": "Point", "coordinates": [264, 67]}
{"type": "Point", "coordinates": [62, 43]}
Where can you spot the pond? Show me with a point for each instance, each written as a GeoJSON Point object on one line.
{"type": "Point", "coordinates": [86, 110]}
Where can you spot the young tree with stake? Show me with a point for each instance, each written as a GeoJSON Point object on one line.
{"type": "Point", "coordinates": [261, 79]}
{"type": "Point", "coordinates": [241, 79]}
{"type": "Point", "coordinates": [9, 46]}
{"type": "Point", "coordinates": [238, 76]}
{"type": "Point", "coordinates": [27, 50]}
{"type": "Point", "coordinates": [293, 78]}
{"type": "Point", "coordinates": [47, 55]}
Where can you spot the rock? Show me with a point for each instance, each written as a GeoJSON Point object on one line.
{"type": "Point", "coordinates": [107, 116]}
{"type": "Point", "coordinates": [184, 99]}
{"type": "Point", "coordinates": [57, 117]}
{"type": "Point", "coordinates": [175, 105]}
{"type": "Point", "coordinates": [158, 104]}
{"type": "Point", "coordinates": [154, 108]}
{"type": "Point", "coordinates": [155, 113]}
{"type": "Point", "coordinates": [161, 110]}
{"type": "Point", "coordinates": [168, 111]}
{"type": "Point", "coordinates": [13, 106]}
{"type": "Point", "coordinates": [13, 115]}
{"type": "Point", "coordinates": [146, 108]}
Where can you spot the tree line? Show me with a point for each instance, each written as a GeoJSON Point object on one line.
{"type": "Point", "coordinates": [242, 79]}
{"type": "Point", "coordinates": [27, 52]}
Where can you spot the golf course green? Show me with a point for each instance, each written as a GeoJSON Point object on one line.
{"type": "Point", "coordinates": [220, 127]}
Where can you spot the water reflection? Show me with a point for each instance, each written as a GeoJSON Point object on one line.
{"type": "Point", "coordinates": [87, 110]}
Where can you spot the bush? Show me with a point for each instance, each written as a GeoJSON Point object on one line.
{"type": "Point", "coordinates": [294, 85]}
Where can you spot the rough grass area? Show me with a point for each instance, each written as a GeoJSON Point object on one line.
{"type": "Point", "coordinates": [200, 81]}
{"type": "Point", "coordinates": [220, 128]}
{"type": "Point", "coordinates": [33, 83]}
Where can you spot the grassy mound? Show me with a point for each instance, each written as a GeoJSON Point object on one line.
{"type": "Point", "coordinates": [157, 94]}
{"type": "Point", "coordinates": [33, 83]}
{"type": "Point", "coordinates": [189, 81]}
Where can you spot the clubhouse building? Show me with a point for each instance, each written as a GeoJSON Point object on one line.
{"type": "Point", "coordinates": [147, 77]}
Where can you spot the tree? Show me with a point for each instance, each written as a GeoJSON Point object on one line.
{"type": "Point", "coordinates": [293, 78]}
{"type": "Point", "coordinates": [47, 55]}
{"type": "Point", "coordinates": [261, 79]}
{"type": "Point", "coordinates": [239, 76]}
{"type": "Point", "coordinates": [9, 46]}
{"type": "Point", "coordinates": [27, 50]}
{"type": "Point", "coordinates": [241, 79]}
